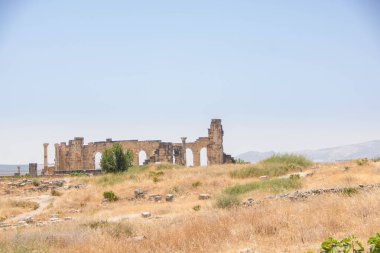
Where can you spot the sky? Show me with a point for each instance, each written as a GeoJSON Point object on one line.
{"type": "Point", "coordinates": [282, 75]}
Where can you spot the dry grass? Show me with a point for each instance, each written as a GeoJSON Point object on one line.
{"type": "Point", "coordinates": [272, 226]}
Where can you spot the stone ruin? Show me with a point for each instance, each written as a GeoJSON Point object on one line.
{"type": "Point", "coordinates": [76, 155]}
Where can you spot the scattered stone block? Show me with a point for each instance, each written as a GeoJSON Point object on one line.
{"type": "Point", "coordinates": [249, 202]}
{"type": "Point", "coordinates": [155, 197]}
{"type": "Point", "coordinates": [139, 194]}
{"type": "Point", "coordinates": [169, 197]}
{"type": "Point", "coordinates": [204, 196]}
{"type": "Point", "coordinates": [146, 214]}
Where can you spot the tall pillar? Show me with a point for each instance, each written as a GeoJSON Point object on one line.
{"type": "Point", "coordinates": [183, 150]}
{"type": "Point", "coordinates": [46, 165]}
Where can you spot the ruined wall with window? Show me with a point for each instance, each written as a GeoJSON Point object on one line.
{"type": "Point", "coordinates": [76, 155]}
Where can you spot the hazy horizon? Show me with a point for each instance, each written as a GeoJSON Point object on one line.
{"type": "Point", "coordinates": [282, 76]}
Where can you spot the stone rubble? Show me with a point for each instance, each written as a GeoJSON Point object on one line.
{"type": "Point", "coordinates": [169, 197]}
{"type": "Point", "coordinates": [203, 196]}
{"type": "Point", "coordinates": [146, 214]}
{"type": "Point", "coordinates": [155, 197]}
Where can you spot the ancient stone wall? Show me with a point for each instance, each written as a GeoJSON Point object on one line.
{"type": "Point", "coordinates": [77, 156]}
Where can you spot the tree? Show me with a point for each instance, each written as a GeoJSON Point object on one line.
{"type": "Point", "coordinates": [115, 160]}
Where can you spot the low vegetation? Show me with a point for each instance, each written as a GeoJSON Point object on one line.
{"type": "Point", "coordinates": [362, 161]}
{"type": "Point", "coordinates": [110, 196]}
{"type": "Point", "coordinates": [221, 223]}
{"type": "Point", "coordinates": [227, 201]}
{"type": "Point", "coordinates": [274, 185]}
{"type": "Point", "coordinates": [25, 204]}
{"type": "Point", "coordinates": [350, 245]}
{"type": "Point", "coordinates": [276, 165]}
{"type": "Point", "coordinates": [55, 193]}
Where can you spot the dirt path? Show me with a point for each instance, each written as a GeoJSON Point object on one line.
{"type": "Point", "coordinates": [43, 201]}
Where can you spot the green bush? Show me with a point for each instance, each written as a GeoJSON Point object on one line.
{"type": "Point", "coordinates": [197, 208]}
{"type": "Point", "coordinates": [349, 191]}
{"type": "Point", "coordinates": [374, 244]}
{"type": "Point", "coordinates": [196, 184]}
{"type": "Point", "coordinates": [35, 182]}
{"type": "Point", "coordinates": [110, 196]}
{"type": "Point", "coordinates": [273, 185]}
{"type": "Point", "coordinates": [350, 245]}
{"type": "Point", "coordinates": [115, 160]}
{"type": "Point", "coordinates": [227, 201]}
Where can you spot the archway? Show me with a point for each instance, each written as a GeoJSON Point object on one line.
{"type": "Point", "coordinates": [142, 157]}
{"type": "Point", "coordinates": [98, 157]}
{"type": "Point", "coordinates": [189, 158]}
{"type": "Point", "coordinates": [203, 157]}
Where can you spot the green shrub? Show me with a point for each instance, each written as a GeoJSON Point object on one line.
{"type": "Point", "coordinates": [156, 175]}
{"type": "Point", "coordinates": [115, 160]}
{"type": "Point", "coordinates": [376, 159]}
{"type": "Point", "coordinates": [110, 196]}
{"type": "Point", "coordinates": [349, 191]}
{"type": "Point", "coordinates": [35, 182]}
{"type": "Point", "coordinates": [196, 184]}
{"type": "Point", "coordinates": [197, 208]}
{"type": "Point", "coordinates": [374, 244]}
{"type": "Point", "coordinates": [273, 185]}
{"type": "Point", "coordinates": [227, 201]}
{"type": "Point", "coordinates": [362, 161]}
{"type": "Point", "coordinates": [55, 193]}
{"type": "Point", "coordinates": [349, 244]}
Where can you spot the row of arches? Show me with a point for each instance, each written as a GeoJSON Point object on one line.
{"type": "Point", "coordinates": [143, 157]}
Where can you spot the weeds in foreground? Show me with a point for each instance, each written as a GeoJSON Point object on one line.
{"type": "Point", "coordinates": [350, 245]}
{"type": "Point", "coordinates": [273, 185]}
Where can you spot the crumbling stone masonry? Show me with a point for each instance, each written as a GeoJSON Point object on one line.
{"type": "Point", "coordinates": [77, 156]}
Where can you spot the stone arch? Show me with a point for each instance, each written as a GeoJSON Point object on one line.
{"type": "Point", "coordinates": [203, 157]}
{"type": "Point", "coordinates": [189, 158]}
{"type": "Point", "coordinates": [97, 158]}
{"type": "Point", "coordinates": [142, 157]}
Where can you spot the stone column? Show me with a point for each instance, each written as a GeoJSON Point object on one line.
{"type": "Point", "coordinates": [46, 165]}
{"type": "Point", "coordinates": [184, 150]}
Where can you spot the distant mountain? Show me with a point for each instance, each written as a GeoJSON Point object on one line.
{"type": "Point", "coordinates": [369, 149]}
{"type": "Point", "coordinates": [254, 156]}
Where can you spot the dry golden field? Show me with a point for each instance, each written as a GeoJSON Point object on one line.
{"type": "Point", "coordinates": [79, 220]}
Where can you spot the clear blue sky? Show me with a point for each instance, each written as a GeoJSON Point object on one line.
{"type": "Point", "coordinates": [282, 75]}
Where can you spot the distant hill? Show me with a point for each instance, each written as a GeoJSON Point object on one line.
{"type": "Point", "coordinates": [369, 149]}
